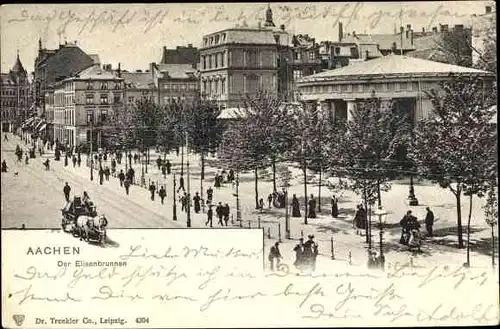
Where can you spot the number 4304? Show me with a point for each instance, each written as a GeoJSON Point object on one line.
{"type": "Point", "coordinates": [141, 320]}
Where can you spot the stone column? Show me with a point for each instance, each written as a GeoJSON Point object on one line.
{"type": "Point", "coordinates": [351, 106]}
{"type": "Point", "coordinates": [323, 108]}
{"type": "Point", "coordinates": [333, 109]}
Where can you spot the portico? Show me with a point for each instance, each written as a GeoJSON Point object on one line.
{"type": "Point", "coordinates": [393, 79]}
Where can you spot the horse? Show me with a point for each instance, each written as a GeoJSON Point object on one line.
{"type": "Point", "coordinates": [89, 227]}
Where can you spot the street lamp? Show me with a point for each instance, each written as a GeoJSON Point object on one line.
{"type": "Point", "coordinates": [174, 201]}
{"type": "Point", "coordinates": [188, 223]}
{"type": "Point", "coordinates": [382, 214]}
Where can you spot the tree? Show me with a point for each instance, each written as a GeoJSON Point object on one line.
{"type": "Point", "coordinates": [204, 129]}
{"type": "Point", "coordinates": [491, 215]}
{"type": "Point", "coordinates": [373, 136]}
{"type": "Point", "coordinates": [454, 146]}
{"type": "Point", "coordinates": [267, 113]}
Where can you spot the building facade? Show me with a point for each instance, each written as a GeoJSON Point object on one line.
{"type": "Point", "coordinates": [82, 103]}
{"type": "Point", "coordinates": [181, 55]}
{"type": "Point", "coordinates": [401, 80]}
{"type": "Point", "coordinates": [15, 97]}
{"type": "Point", "coordinates": [175, 82]}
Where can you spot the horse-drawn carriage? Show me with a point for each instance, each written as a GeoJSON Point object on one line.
{"type": "Point", "coordinates": [81, 219]}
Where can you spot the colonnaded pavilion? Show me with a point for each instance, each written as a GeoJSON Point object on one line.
{"type": "Point", "coordinates": [394, 78]}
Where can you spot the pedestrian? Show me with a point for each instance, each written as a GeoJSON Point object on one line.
{"type": "Point", "coordinates": [312, 207]}
{"type": "Point", "coordinates": [226, 213]}
{"type": "Point", "coordinates": [131, 174]}
{"type": "Point", "coordinates": [136, 158]}
{"type": "Point", "coordinates": [183, 202]}
{"type": "Point", "coordinates": [429, 221]}
{"type": "Point", "coordinates": [66, 190]}
{"type": "Point", "coordinates": [152, 189]}
{"type": "Point", "coordinates": [164, 170]}
{"type": "Point", "coordinates": [310, 252]}
{"type": "Point", "coordinates": [66, 159]}
{"type": "Point", "coordinates": [169, 166]}
{"type": "Point", "coordinates": [4, 166]}
{"type": "Point", "coordinates": [127, 185]}
{"type": "Point", "coordinates": [121, 177]}
{"type": "Point", "coordinates": [79, 159]}
{"type": "Point", "coordinates": [261, 204]}
{"type": "Point", "coordinates": [405, 228]}
{"type": "Point", "coordinates": [5, 137]}
{"type": "Point", "coordinates": [295, 206]}
{"type": "Point", "coordinates": [130, 159]}
{"type": "Point", "coordinates": [47, 164]}
{"type": "Point", "coordinates": [177, 150]}
{"type": "Point", "coordinates": [220, 213]}
{"type": "Point", "coordinates": [158, 162]}
{"type": "Point", "coordinates": [299, 254]}
{"type": "Point", "coordinates": [162, 193]}
{"type": "Point", "coordinates": [101, 176]}
{"type": "Point", "coordinates": [210, 214]}
{"type": "Point", "coordinates": [26, 159]}
{"type": "Point", "coordinates": [210, 194]}
{"type": "Point", "coordinates": [107, 172]}
{"type": "Point", "coordinates": [40, 150]}
{"type": "Point", "coordinates": [196, 200]}
{"type": "Point", "coordinates": [335, 207]}
{"type": "Point", "coordinates": [181, 184]}
{"type": "Point", "coordinates": [269, 200]}
{"type": "Point", "coordinates": [74, 161]}
{"type": "Point", "coordinates": [274, 253]}
{"type": "Point", "coordinates": [113, 167]}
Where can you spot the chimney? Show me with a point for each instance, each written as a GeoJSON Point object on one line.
{"type": "Point", "coordinates": [488, 9]}
{"type": "Point", "coordinates": [119, 70]}
{"type": "Point", "coordinates": [443, 27]}
{"type": "Point", "coordinates": [138, 71]}
{"type": "Point", "coordinates": [190, 45]}
{"type": "Point", "coordinates": [282, 27]}
{"type": "Point", "coordinates": [341, 31]}
{"type": "Point", "coordinates": [354, 33]}
{"type": "Point", "coordinates": [434, 29]}
{"type": "Point", "coordinates": [423, 30]}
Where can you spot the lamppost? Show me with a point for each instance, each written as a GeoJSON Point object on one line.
{"type": "Point", "coordinates": [174, 201]}
{"type": "Point", "coordinates": [91, 157]}
{"type": "Point", "coordinates": [188, 201]}
{"type": "Point", "coordinates": [381, 220]}
{"type": "Point", "coordinates": [287, 216]}
{"type": "Point", "coordinates": [238, 210]}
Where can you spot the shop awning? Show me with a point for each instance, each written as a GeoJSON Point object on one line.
{"type": "Point", "coordinates": [39, 124]}
{"type": "Point", "coordinates": [42, 127]}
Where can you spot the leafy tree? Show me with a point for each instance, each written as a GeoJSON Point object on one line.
{"type": "Point", "coordinates": [455, 146]}
{"type": "Point", "coordinates": [373, 137]}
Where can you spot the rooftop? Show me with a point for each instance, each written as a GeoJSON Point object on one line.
{"type": "Point", "coordinates": [95, 72]}
{"type": "Point", "coordinates": [177, 71]}
{"type": "Point", "coordinates": [394, 65]}
{"type": "Point", "coordinates": [243, 35]}
{"type": "Point", "coordinates": [137, 80]}
{"type": "Point", "coordinates": [384, 41]}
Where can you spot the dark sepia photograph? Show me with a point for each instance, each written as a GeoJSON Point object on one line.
{"type": "Point", "coordinates": [335, 161]}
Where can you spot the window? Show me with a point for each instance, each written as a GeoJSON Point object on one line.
{"type": "Point", "coordinates": [209, 61]}
{"type": "Point", "coordinates": [104, 98]}
{"type": "Point", "coordinates": [183, 86]}
{"type": "Point", "coordinates": [104, 85]}
{"type": "Point", "coordinates": [116, 98]}
{"type": "Point", "coordinates": [89, 98]}
{"type": "Point", "coordinates": [89, 85]}
{"type": "Point", "coordinates": [204, 62]}
{"type": "Point", "coordinates": [344, 87]}
{"type": "Point", "coordinates": [131, 99]}
{"type": "Point", "coordinates": [204, 86]}
{"type": "Point", "coordinates": [216, 57]}
{"type": "Point", "coordinates": [296, 56]}
{"type": "Point", "coordinates": [410, 85]}
{"type": "Point", "coordinates": [390, 86]}
{"type": "Point", "coordinates": [104, 115]}
{"type": "Point", "coordinates": [297, 74]}
{"type": "Point", "coordinates": [216, 88]}
{"type": "Point", "coordinates": [117, 85]}
{"type": "Point", "coordinates": [217, 37]}
{"type": "Point", "coordinates": [337, 50]}
{"type": "Point", "coordinates": [223, 86]}
{"type": "Point", "coordinates": [90, 116]}
{"type": "Point", "coordinates": [403, 86]}
{"type": "Point", "coordinates": [360, 87]}
{"type": "Point", "coordinates": [222, 59]}
{"type": "Point", "coordinates": [397, 86]}
{"type": "Point", "coordinates": [175, 86]}
{"type": "Point", "coordinates": [311, 55]}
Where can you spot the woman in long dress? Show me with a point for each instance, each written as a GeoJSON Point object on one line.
{"type": "Point", "coordinates": [295, 207]}
{"type": "Point", "coordinates": [335, 207]}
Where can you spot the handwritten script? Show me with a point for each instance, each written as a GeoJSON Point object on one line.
{"type": "Point", "coordinates": [151, 18]}
{"type": "Point", "coordinates": [210, 278]}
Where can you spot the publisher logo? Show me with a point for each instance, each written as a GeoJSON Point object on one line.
{"type": "Point", "coordinates": [18, 319]}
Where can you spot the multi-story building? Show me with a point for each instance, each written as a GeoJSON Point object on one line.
{"type": "Point", "coordinates": [175, 82]}
{"type": "Point", "coordinates": [138, 85]}
{"type": "Point", "coordinates": [51, 67]}
{"type": "Point", "coordinates": [181, 55]}
{"type": "Point", "coordinates": [81, 104]}
{"type": "Point", "coordinates": [483, 28]}
{"type": "Point", "coordinates": [15, 96]}
{"type": "Point", "coordinates": [240, 61]}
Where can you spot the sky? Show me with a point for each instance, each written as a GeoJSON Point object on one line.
{"type": "Point", "coordinates": [134, 34]}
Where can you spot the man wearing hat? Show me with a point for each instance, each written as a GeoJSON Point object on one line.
{"type": "Point", "coordinates": [274, 253]}
{"type": "Point", "coordinates": [299, 254]}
